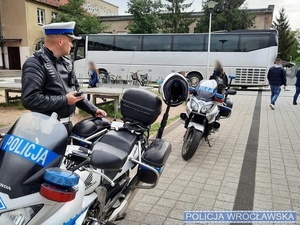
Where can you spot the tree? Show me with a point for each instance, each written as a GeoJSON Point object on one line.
{"type": "Point", "coordinates": [175, 19]}
{"type": "Point", "coordinates": [145, 16]}
{"type": "Point", "coordinates": [295, 49]}
{"type": "Point", "coordinates": [286, 39]}
{"type": "Point", "coordinates": [85, 22]}
{"type": "Point", "coordinates": [227, 15]}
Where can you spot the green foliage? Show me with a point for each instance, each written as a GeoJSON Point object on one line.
{"type": "Point", "coordinates": [154, 127]}
{"type": "Point", "coordinates": [175, 19]}
{"type": "Point", "coordinates": [227, 15]}
{"type": "Point", "coordinates": [286, 38]}
{"type": "Point", "coordinates": [146, 16]}
{"type": "Point", "coordinates": [295, 49]}
{"type": "Point", "coordinates": [85, 22]}
{"type": "Point", "coordinates": [297, 59]}
{"type": "Point", "coordinates": [15, 104]}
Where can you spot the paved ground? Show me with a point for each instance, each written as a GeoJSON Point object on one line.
{"type": "Point", "coordinates": [253, 165]}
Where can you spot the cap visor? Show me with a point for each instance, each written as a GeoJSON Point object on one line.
{"type": "Point", "coordinates": [74, 37]}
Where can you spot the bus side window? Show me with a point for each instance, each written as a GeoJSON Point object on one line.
{"type": "Point", "coordinates": [157, 43]}
{"type": "Point", "coordinates": [188, 43]}
{"type": "Point", "coordinates": [101, 43]}
{"type": "Point", "coordinates": [128, 43]}
{"type": "Point", "coordinates": [251, 42]}
{"type": "Point", "coordinates": [224, 42]}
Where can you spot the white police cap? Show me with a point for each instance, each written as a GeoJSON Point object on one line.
{"type": "Point", "coordinates": [62, 28]}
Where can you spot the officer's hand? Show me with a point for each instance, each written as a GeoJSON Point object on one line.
{"type": "Point", "coordinates": [73, 99]}
{"type": "Point", "coordinates": [100, 113]}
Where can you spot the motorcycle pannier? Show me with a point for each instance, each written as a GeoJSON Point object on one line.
{"type": "Point", "coordinates": [155, 156]}
{"type": "Point", "coordinates": [88, 127]}
{"type": "Point", "coordinates": [225, 111]}
{"type": "Point", "coordinates": [141, 106]}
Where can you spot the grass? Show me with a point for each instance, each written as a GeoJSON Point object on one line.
{"type": "Point", "coordinates": [17, 104]}
{"type": "Point", "coordinates": [2, 125]}
{"type": "Point", "coordinates": [155, 126]}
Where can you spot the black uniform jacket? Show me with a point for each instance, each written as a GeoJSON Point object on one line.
{"type": "Point", "coordinates": [45, 82]}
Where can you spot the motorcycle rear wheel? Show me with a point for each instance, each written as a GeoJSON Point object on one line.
{"type": "Point", "coordinates": [191, 143]}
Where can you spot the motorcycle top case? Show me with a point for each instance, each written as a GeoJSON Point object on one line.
{"type": "Point", "coordinates": [156, 156]}
{"type": "Point", "coordinates": [88, 127]}
{"type": "Point", "coordinates": [141, 106]}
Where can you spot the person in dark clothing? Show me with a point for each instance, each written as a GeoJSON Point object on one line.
{"type": "Point", "coordinates": [277, 78]}
{"type": "Point", "coordinates": [297, 88]}
{"type": "Point", "coordinates": [220, 76]}
{"type": "Point", "coordinates": [49, 83]}
{"type": "Point", "coordinates": [94, 77]}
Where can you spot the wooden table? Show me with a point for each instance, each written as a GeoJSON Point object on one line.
{"type": "Point", "coordinates": [109, 93]}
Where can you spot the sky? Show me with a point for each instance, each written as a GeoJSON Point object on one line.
{"type": "Point", "coordinates": [292, 8]}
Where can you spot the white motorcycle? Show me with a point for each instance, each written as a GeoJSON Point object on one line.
{"type": "Point", "coordinates": [204, 107]}
{"type": "Point", "coordinates": [42, 183]}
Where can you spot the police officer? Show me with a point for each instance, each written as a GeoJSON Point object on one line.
{"type": "Point", "coordinates": [220, 76]}
{"type": "Point", "coordinates": [49, 83]}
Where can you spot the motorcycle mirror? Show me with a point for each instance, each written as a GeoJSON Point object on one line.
{"type": "Point", "coordinates": [231, 92]}
{"type": "Point", "coordinates": [232, 77]}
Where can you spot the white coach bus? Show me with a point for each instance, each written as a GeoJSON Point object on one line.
{"type": "Point", "coordinates": [248, 54]}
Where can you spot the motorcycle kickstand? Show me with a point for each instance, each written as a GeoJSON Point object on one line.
{"type": "Point", "coordinates": [208, 142]}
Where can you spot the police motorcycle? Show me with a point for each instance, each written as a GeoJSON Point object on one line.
{"type": "Point", "coordinates": [42, 183]}
{"type": "Point", "coordinates": [204, 107]}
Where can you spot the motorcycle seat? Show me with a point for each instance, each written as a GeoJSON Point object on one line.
{"type": "Point", "coordinates": [111, 152]}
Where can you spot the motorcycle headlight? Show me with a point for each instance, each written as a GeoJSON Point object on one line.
{"type": "Point", "coordinates": [19, 216]}
{"type": "Point", "coordinates": [194, 105]}
{"type": "Point", "coordinates": [205, 108]}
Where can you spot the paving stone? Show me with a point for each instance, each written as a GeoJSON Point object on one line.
{"type": "Point", "coordinates": [135, 216]}
{"type": "Point", "coordinates": [149, 199]}
{"type": "Point", "coordinates": [185, 206]}
{"type": "Point", "coordinates": [160, 210]}
{"type": "Point", "coordinates": [154, 219]}
{"type": "Point", "coordinates": [176, 214]}
{"type": "Point", "coordinates": [170, 221]}
{"type": "Point", "coordinates": [171, 195]}
{"type": "Point", "coordinates": [188, 198]}
{"type": "Point", "coordinates": [223, 205]}
{"type": "Point", "coordinates": [209, 181]}
{"type": "Point", "coordinates": [143, 207]}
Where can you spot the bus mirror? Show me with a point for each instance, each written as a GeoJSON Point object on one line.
{"type": "Point", "coordinates": [232, 77]}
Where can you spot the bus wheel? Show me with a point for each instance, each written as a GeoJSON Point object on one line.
{"type": "Point", "coordinates": [194, 79]}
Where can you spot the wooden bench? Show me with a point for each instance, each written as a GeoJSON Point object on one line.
{"type": "Point", "coordinates": [11, 90]}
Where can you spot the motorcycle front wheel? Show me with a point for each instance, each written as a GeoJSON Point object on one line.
{"type": "Point", "coordinates": [190, 143]}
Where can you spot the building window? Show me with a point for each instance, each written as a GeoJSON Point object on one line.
{"type": "Point", "coordinates": [54, 15]}
{"type": "Point", "coordinates": [41, 16]}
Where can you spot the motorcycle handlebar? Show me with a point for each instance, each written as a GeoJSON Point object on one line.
{"type": "Point", "coordinates": [85, 162]}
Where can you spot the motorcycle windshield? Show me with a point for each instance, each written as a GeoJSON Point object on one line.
{"type": "Point", "coordinates": [34, 143]}
{"type": "Point", "coordinates": [206, 90]}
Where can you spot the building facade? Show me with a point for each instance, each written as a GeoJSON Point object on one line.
{"type": "Point", "coordinates": [21, 26]}
{"type": "Point", "coordinates": [118, 24]}
{"type": "Point", "coordinates": [101, 8]}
